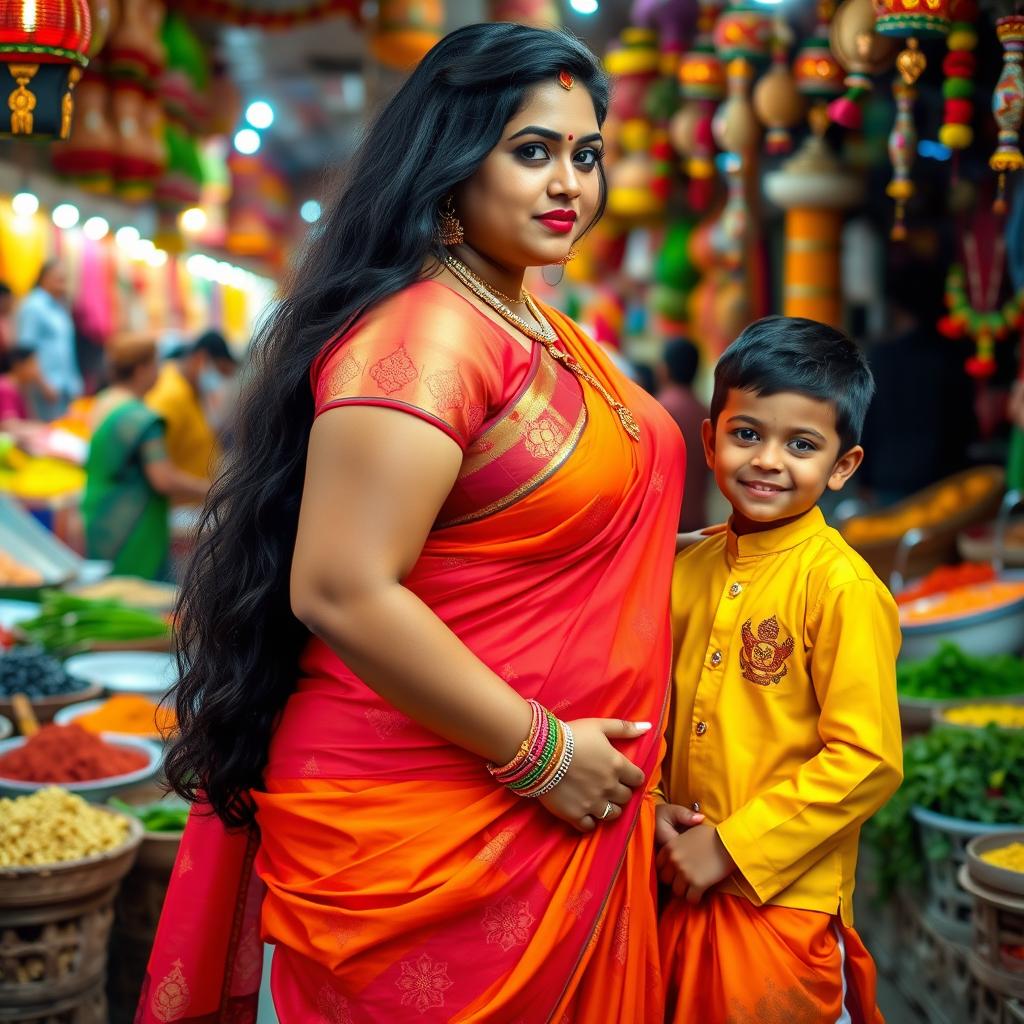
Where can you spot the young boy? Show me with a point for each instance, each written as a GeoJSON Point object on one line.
{"type": "Point", "coordinates": [785, 733]}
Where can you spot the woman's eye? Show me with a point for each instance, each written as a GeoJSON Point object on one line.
{"type": "Point", "coordinates": [588, 158]}
{"type": "Point", "coordinates": [534, 151]}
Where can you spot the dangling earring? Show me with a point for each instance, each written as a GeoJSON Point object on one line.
{"type": "Point", "coordinates": [569, 256]}
{"type": "Point", "coordinates": [450, 230]}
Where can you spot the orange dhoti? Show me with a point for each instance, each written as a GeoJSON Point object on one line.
{"type": "Point", "coordinates": [726, 961]}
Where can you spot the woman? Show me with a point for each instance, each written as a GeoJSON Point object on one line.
{"type": "Point", "coordinates": [129, 479]}
{"type": "Point", "coordinates": [454, 491]}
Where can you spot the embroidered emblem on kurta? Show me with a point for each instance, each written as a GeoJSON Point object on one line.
{"type": "Point", "coordinates": [763, 658]}
{"type": "Point", "coordinates": [393, 372]}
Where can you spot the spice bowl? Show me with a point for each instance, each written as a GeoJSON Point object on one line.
{"type": "Point", "coordinates": [93, 790]}
{"type": "Point", "coordinates": [44, 708]}
{"type": "Point", "coordinates": [74, 711]}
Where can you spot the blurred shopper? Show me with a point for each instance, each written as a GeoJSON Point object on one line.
{"type": "Point", "coordinates": [677, 372]}
{"type": "Point", "coordinates": [922, 419]}
{"type": "Point", "coordinates": [178, 397]}
{"type": "Point", "coordinates": [129, 478]}
{"type": "Point", "coordinates": [44, 324]}
{"type": "Point", "coordinates": [15, 386]}
{"type": "Point", "coordinates": [6, 325]}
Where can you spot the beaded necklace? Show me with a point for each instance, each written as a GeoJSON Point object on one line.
{"type": "Point", "coordinates": [546, 336]}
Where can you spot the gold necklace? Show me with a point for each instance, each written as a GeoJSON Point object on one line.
{"type": "Point", "coordinates": [546, 336]}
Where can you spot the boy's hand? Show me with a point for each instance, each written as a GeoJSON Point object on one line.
{"type": "Point", "coordinates": [672, 819]}
{"type": "Point", "coordinates": [694, 861]}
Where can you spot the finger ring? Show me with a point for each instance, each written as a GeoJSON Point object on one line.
{"type": "Point", "coordinates": [607, 810]}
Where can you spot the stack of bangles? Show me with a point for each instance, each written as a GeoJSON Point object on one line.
{"type": "Point", "coordinates": [542, 760]}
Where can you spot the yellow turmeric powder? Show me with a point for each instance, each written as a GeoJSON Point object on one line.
{"type": "Point", "coordinates": [129, 714]}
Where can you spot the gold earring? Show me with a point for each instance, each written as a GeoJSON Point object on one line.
{"type": "Point", "coordinates": [450, 231]}
{"type": "Point", "coordinates": [569, 256]}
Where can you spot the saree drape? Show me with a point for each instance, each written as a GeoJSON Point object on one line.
{"type": "Point", "coordinates": [125, 519]}
{"type": "Point", "coordinates": [401, 883]}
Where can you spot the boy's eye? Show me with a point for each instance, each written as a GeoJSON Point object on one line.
{"type": "Point", "coordinates": [533, 151]}
{"type": "Point", "coordinates": [803, 446]}
{"type": "Point", "coordinates": [746, 434]}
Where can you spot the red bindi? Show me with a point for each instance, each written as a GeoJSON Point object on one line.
{"type": "Point", "coordinates": [571, 137]}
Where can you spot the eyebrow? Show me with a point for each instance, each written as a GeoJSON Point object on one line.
{"type": "Point", "coordinates": [798, 430]}
{"type": "Point", "coordinates": [547, 133]}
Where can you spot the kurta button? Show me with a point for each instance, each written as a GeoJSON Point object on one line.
{"type": "Point", "coordinates": [736, 589]}
{"type": "Point", "coordinates": [696, 806]}
{"type": "Point", "coordinates": [716, 659]}
{"type": "Point", "coordinates": [702, 727]}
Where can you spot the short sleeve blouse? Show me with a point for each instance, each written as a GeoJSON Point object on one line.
{"type": "Point", "coordinates": [426, 351]}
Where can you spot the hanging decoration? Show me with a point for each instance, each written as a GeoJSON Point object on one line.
{"type": "Point", "coordinates": [958, 67]}
{"type": "Point", "coordinates": [87, 158]}
{"type": "Point", "coordinates": [405, 30]}
{"type": "Point", "coordinates": [777, 100]}
{"type": "Point", "coordinates": [44, 46]}
{"type": "Point", "coordinates": [818, 74]}
{"type": "Point", "coordinates": [973, 311]}
{"type": "Point", "coordinates": [902, 149]}
{"type": "Point", "coordinates": [1008, 104]}
{"type": "Point", "coordinates": [862, 53]}
{"type": "Point", "coordinates": [539, 13]}
{"type": "Point", "coordinates": [702, 86]}
{"type": "Point", "coordinates": [273, 15]}
{"type": "Point", "coordinates": [634, 65]}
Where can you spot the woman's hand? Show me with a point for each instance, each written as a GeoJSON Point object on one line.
{"type": "Point", "coordinates": [685, 540]}
{"type": "Point", "coordinates": [600, 780]}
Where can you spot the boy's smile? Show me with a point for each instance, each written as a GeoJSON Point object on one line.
{"type": "Point", "coordinates": [774, 456]}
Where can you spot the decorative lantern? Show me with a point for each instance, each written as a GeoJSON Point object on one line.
{"type": "Point", "coordinates": [958, 67]}
{"type": "Point", "coordinates": [104, 15]}
{"type": "Point", "coordinates": [702, 85]}
{"type": "Point", "coordinates": [539, 13]}
{"type": "Point", "coordinates": [405, 30]}
{"type": "Point", "coordinates": [672, 20]}
{"type": "Point", "coordinates": [87, 158]}
{"type": "Point", "coordinates": [743, 31]}
{"type": "Point", "coordinates": [862, 52]}
{"type": "Point", "coordinates": [777, 101]}
{"type": "Point", "coordinates": [44, 46]}
{"type": "Point", "coordinates": [1008, 103]}
{"type": "Point", "coordinates": [818, 74]}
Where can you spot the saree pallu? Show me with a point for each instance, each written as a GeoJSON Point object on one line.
{"type": "Point", "coordinates": [125, 519]}
{"type": "Point", "coordinates": [400, 883]}
{"type": "Point", "coordinates": [726, 961]}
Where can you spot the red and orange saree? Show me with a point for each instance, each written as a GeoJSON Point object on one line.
{"type": "Point", "coordinates": [400, 884]}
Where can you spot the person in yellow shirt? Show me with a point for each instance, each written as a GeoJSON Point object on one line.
{"type": "Point", "coordinates": [784, 733]}
{"type": "Point", "coordinates": [177, 396]}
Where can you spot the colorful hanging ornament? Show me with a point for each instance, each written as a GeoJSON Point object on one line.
{"type": "Point", "coordinates": [743, 31]}
{"type": "Point", "coordinates": [87, 158]}
{"type": "Point", "coordinates": [863, 53]}
{"type": "Point", "coordinates": [44, 46]}
{"type": "Point", "coordinates": [777, 101]}
{"type": "Point", "coordinates": [405, 30]}
{"type": "Point", "coordinates": [818, 74]}
{"type": "Point", "coordinates": [902, 149]}
{"type": "Point", "coordinates": [702, 86]}
{"type": "Point", "coordinates": [958, 67]}
{"type": "Point", "coordinates": [1008, 104]}
{"type": "Point", "coordinates": [539, 13]}
{"type": "Point", "coordinates": [977, 316]}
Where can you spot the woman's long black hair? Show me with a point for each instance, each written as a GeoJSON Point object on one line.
{"type": "Point", "coordinates": [238, 642]}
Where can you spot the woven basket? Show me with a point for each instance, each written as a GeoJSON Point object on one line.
{"type": "Point", "coordinates": [89, 1007]}
{"type": "Point", "coordinates": [54, 928]}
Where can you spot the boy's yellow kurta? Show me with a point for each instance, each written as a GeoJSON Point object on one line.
{"type": "Point", "coordinates": [785, 729]}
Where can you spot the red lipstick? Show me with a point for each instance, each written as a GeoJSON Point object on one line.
{"type": "Point", "coordinates": [560, 221]}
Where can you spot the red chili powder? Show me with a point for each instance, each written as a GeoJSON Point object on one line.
{"type": "Point", "coordinates": [68, 753]}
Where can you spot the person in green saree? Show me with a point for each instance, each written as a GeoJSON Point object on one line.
{"type": "Point", "coordinates": [130, 481]}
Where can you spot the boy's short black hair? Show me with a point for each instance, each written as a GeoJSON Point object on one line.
{"type": "Point", "coordinates": [789, 353]}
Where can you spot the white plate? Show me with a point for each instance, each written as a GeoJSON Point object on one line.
{"type": "Point", "coordinates": [13, 612]}
{"type": "Point", "coordinates": [94, 789]}
{"type": "Point", "coordinates": [142, 672]}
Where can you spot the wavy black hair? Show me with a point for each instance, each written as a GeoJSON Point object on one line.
{"type": "Point", "coordinates": [238, 641]}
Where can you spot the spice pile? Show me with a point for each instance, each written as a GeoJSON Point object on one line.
{"type": "Point", "coordinates": [68, 753]}
{"type": "Point", "coordinates": [948, 577]}
{"type": "Point", "coordinates": [29, 670]}
{"type": "Point", "coordinates": [952, 604]}
{"type": "Point", "coordinates": [130, 714]}
{"type": "Point", "coordinates": [977, 716]}
{"type": "Point", "coordinates": [52, 825]}
{"type": "Point", "coordinates": [1010, 857]}
{"type": "Point", "coordinates": [14, 574]}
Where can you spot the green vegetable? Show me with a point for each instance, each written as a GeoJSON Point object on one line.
{"type": "Point", "coordinates": [949, 673]}
{"type": "Point", "coordinates": [66, 623]}
{"type": "Point", "coordinates": [158, 817]}
{"type": "Point", "coordinates": [976, 775]}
